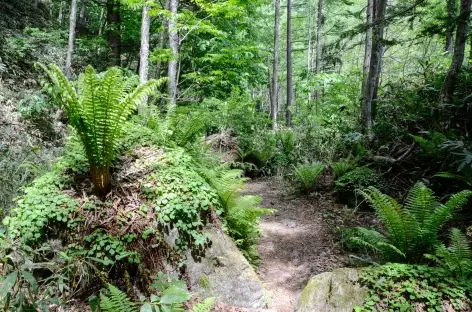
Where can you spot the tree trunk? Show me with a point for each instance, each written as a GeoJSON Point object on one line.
{"type": "Point", "coordinates": [368, 41]}
{"type": "Point", "coordinates": [144, 53]}
{"type": "Point", "coordinates": [83, 17]}
{"type": "Point", "coordinates": [60, 18]}
{"type": "Point", "coordinates": [447, 92]}
{"type": "Point", "coordinates": [375, 69]}
{"type": "Point", "coordinates": [451, 13]}
{"type": "Point", "coordinates": [319, 42]}
{"type": "Point", "coordinates": [102, 22]}
{"type": "Point", "coordinates": [114, 31]}
{"type": "Point", "coordinates": [100, 179]}
{"type": "Point", "coordinates": [70, 47]}
{"type": "Point", "coordinates": [162, 40]}
{"type": "Point", "coordinates": [288, 113]}
{"type": "Point", "coordinates": [174, 45]}
{"type": "Point", "coordinates": [274, 105]}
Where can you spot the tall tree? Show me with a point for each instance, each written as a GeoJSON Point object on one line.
{"type": "Point", "coordinates": [174, 45]}
{"type": "Point", "coordinates": [319, 41]}
{"type": "Point", "coordinates": [451, 12]}
{"type": "Point", "coordinates": [70, 47]}
{"type": "Point", "coordinates": [275, 73]}
{"type": "Point", "coordinates": [372, 82]}
{"type": "Point", "coordinates": [368, 41]}
{"type": "Point", "coordinates": [144, 52]}
{"type": "Point", "coordinates": [60, 17]}
{"type": "Point", "coordinates": [288, 113]}
{"type": "Point", "coordinates": [114, 31]}
{"type": "Point", "coordinates": [447, 91]}
{"type": "Point", "coordinates": [82, 15]}
{"type": "Point", "coordinates": [162, 39]}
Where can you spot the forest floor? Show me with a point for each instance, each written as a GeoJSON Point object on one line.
{"type": "Point", "coordinates": [299, 240]}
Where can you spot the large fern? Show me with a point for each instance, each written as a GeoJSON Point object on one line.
{"type": "Point", "coordinates": [411, 230]}
{"type": "Point", "coordinates": [307, 174]}
{"type": "Point", "coordinates": [97, 106]}
{"type": "Point", "coordinates": [116, 301]}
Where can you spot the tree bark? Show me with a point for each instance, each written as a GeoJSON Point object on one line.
{"type": "Point", "coordinates": [60, 18]}
{"type": "Point", "coordinates": [288, 113]}
{"type": "Point", "coordinates": [162, 40]}
{"type": "Point", "coordinates": [368, 41]}
{"type": "Point", "coordinates": [447, 92]}
{"type": "Point", "coordinates": [451, 12]}
{"type": "Point", "coordinates": [274, 105]}
{"type": "Point", "coordinates": [319, 41]}
{"type": "Point", "coordinates": [102, 22]}
{"type": "Point", "coordinates": [70, 47]}
{"type": "Point", "coordinates": [144, 53]}
{"type": "Point", "coordinates": [174, 45]}
{"type": "Point", "coordinates": [375, 69]}
{"type": "Point", "coordinates": [114, 31]}
{"type": "Point", "coordinates": [83, 17]}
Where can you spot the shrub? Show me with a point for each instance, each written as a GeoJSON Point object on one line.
{"type": "Point", "coordinates": [360, 177]}
{"type": "Point", "coordinates": [307, 174]}
{"type": "Point", "coordinates": [97, 109]}
{"type": "Point", "coordinates": [402, 287]}
{"type": "Point", "coordinates": [411, 230]}
{"type": "Point", "coordinates": [341, 167]}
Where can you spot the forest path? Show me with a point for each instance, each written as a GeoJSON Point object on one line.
{"type": "Point", "coordinates": [298, 240]}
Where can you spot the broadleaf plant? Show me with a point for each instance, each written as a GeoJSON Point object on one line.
{"type": "Point", "coordinates": [97, 107]}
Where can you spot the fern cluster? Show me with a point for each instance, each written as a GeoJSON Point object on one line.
{"type": "Point", "coordinates": [307, 174]}
{"type": "Point", "coordinates": [97, 107]}
{"type": "Point", "coordinates": [411, 230]}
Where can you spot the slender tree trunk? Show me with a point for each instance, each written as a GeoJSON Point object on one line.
{"type": "Point", "coordinates": [288, 113]}
{"type": "Point", "coordinates": [114, 31]}
{"type": "Point", "coordinates": [319, 42]}
{"type": "Point", "coordinates": [70, 48]}
{"type": "Point", "coordinates": [447, 92]}
{"type": "Point", "coordinates": [368, 41]}
{"type": "Point", "coordinates": [60, 18]}
{"type": "Point", "coordinates": [162, 39]}
{"type": "Point", "coordinates": [470, 51]}
{"type": "Point", "coordinates": [83, 17]}
{"type": "Point", "coordinates": [174, 45]}
{"type": "Point", "coordinates": [451, 13]}
{"type": "Point", "coordinates": [102, 22]}
{"type": "Point", "coordinates": [375, 69]}
{"type": "Point", "coordinates": [144, 52]}
{"type": "Point", "coordinates": [274, 105]}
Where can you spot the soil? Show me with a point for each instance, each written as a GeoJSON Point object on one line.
{"type": "Point", "coordinates": [300, 239]}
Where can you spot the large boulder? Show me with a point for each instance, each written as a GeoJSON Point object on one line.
{"type": "Point", "coordinates": [225, 274]}
{"type": "Point", "coordinates": [337, 291]}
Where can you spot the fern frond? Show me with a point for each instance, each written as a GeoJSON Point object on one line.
{"type": "Point", "coordinates": [116, 301]}
{"type": "Point", "coordinates": [205, 306]}
{"type": "Point", "coordinates": [459, 246]}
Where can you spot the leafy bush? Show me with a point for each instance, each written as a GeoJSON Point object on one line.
{"type": "Point", "coordinates": [411, 230]}
{"type": "Point", "coordinates": [342, 167]}
{"type": "Point", "coordinates": [360, 177]}
{"type": "Point", "coordinates": [307, 174]}
{"type": "Point", "coordinates": [457, 258]}
{"type": "Point", "coordinates": [401, 287]}
{"type": "Point", "coordinates": [97, 109]}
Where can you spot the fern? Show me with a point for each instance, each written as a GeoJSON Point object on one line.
{"type": "Point", "coordinates": [307, 175]}
{"type": "Point", "coordinates": [342, 167]}
{"type": "Point", "coordinates": [97, 107]}
{"type": "Point", "coordinates": [116, 301]}
{"type": "Point", "coordinates": [205, 306]}
{"type": "Point", "coordinates": [411, 230]}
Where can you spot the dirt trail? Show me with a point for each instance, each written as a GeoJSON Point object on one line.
{"type": "Point", "coordinates": [298, 241]}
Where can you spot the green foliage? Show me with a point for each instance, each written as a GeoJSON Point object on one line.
{"type": "Point", "coordinates": [205, 306]}
{"type": "Point", "coordinates": [457, 258]}
{"type": "Point", "coordinates": [411, 230]}
{"type": "Point", "coordinates": [357, 178]}
{"type": "Point", "coordinates": [400, 287]}
{"type": "Point", "coordinates": [307, 175]}
{"type": "Point", "coordinates": [342, 167]}
{"type": "Point", "coordinates": [108, 250]}
{"type": "Point", "coordinates": [97, 109]}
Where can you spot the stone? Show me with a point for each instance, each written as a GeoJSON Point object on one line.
{"type": "Point", "coordinates": [225, 274]}
{"type": "Point", "coordinates": [337, 291]}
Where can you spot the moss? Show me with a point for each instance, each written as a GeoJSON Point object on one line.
{"type": "Point", "coordinates": [204, 282]}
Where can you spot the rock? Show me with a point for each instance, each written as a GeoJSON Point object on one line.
{"type": "Point", "coordinates": [225, 274]}
{"type": "Point", "coordinates": [336, 291]}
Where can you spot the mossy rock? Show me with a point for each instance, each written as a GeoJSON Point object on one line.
{"type": "Point", "coordinates": [336, 291]}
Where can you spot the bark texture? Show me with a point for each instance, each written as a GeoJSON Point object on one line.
{"type": "Point", "coordinates": [275, 73]}
{"type": "Point", "coordinates": [451, 12]}
{"type": "Point", "coordinates": [114, 31]}
{"type": "Point", "coordinates": [368, 40]}
{"type": "Point", "coordinates": [319, 41]}
{"type": "Point", "coordinates": [174, 45]}
{"type": "Point", "coordinates": [144, 52]}
{"type": "Point", "coordinates": [375, 69]}
{"type": "Point", "coordinates": [288, 113]}
{"type": "Point", "coordinates": [70, 47]}
{"type": "Point", "coordinates": [447, 92]}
